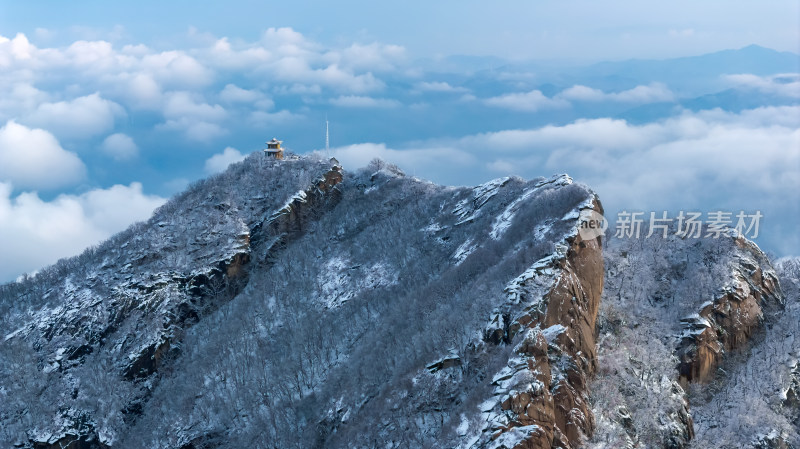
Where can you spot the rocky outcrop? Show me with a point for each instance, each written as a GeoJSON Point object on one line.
{"type": "Point", "coordinates": [543, 391]}
{"type": "Point", "coordinates": [78, 432]}
{"type": "Point", "coordinates": [697, 341]}
{"type": "Point", "coordinates": [304, 206]}
{"type": "Point", "coordinates": [793, 392]}
{"type": "Point", "coordinates": [772, 440]}
{"type": "Point", "coordinates": [211, 289]}
{"type": "Point", "coordinates": [681, 424]}
{"type": "Point", "coordinates": [728, 322]}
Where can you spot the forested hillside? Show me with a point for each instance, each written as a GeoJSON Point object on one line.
{"type": "Point", "coordinates": [293, 304]}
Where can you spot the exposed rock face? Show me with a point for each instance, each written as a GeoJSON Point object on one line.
{"type": "Point", "coordinates": [713, 309]}
{"type": "Point", "coordinates": [729, 321]}
{"type": "Point", "coordinates": [542, 392]}
{"type": "Point", "coordinates": [81, 435]}
{"type": "Point", "coordinates": [772, 440]}
{"type": "Point", "coordinates": [558, 407]}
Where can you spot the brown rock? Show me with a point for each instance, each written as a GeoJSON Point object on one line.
{"type": "Point", "coordinates": [732, 317]}
{"type": "Point", "coordinates": [562, 411]}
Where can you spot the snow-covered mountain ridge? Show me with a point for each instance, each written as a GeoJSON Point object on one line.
{"type": "Point", "coordinates": [250, 306]}
{"type": "Point", "coordinates": [294, 304]}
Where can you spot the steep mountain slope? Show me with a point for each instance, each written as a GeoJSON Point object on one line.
{"type": "Point", "coordinates": [110, 318]}
{"type": "Point", "coordinates": [292, 304]}
{"type": "Point", "coordinates": [697, 346]}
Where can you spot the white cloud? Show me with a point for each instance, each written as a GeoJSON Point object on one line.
{"type": "Point", "coordinates": [198, 131]}
{"type": "Point", "coordinates": [655, 92]}
{"type": "Point", "coordinates": [176, 69]}
{"type": "Point", "coordinates": [43, 34]}
{"type": "Point", "coordinates": [709, 160]}
{"type": "Point", "coordinates": [186, 105]}
{"type": "Point", "coordinates": [424, 162]}
{"type": "Point", "coordinates": [112, 210]}
{"type": "Point", "coordinates": [603, 133]}
{"type": "Point", "coordinates": [438, 86]}
{"type": "Point", "coordinates": [140, 90]}
{"type": "Point", "coordinates": [219, 162]}
{"type": "Point", "coordinates": [652, 93]}
{"type": "Point", "coordinates": [19, 98]}
{"type": "Point", "coordinates": [140, 78]}
{"type": "Point", "coordinates": [296, 70]}
{"type": "Point", "coordinates": [299, 89]}
{"type": "Point", "coordinates": [286, 57]}
{"type": "Point", "coordinates": [288, 42]}
{"type": "Point", "coordinates": [35, 232]}
{"type": "Point", "coordinates": [235, 94]}
{"type": "Point", "coordinates": [582, 93]}
{"type": "Point", "coordinates": [94, 54]}
{"type": "Point", "coordinates": [120, 146]}
{"type": "Point", "coordinates": [372, 57]}
{"type": "Point", "coordinates": [357, 101]}
{"type": "Point", "coordinates": [15, 50]}
{"type": "Point", "coordinates": [526, 101]}
{"type": "Point", "coordinates": [262, 118]}
{"type": "Point", "coordinates": [188, 113]}
{"type": "Point", "coordinates": [79, 118]}
{"type": "Point", "coordinates": [681, 33]}
{"type": "Point", "coordinates": [222, 54]}
{"type": "Point", "coordinates": [786, 85]}
{"type": "Point", "coordinates": [33, 159]}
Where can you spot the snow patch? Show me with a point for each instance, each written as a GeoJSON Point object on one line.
{"type": "Point", "coordinates": [541, 230]}
{"type": "Point", "coordinates": [299, 197]}
{"type": "Point", "coordinates": [556, 181]}
{"type": "Point", "coordinates": [341, 281]}
{"type": "Point", "coordinates": [503, 221]}
{"type": "Point", "coordinates": [463, 251]}
{"type": "Point", "coordinates": [552, 332]}
{"type": "Point", "coordinates": [539, 273]}
{"type": "Point", "coordinates": [463, 427]}
{"type": "Point", "coordinates": [484, 192]}
{"type": "Point", "coordinates": [333, 282]}
{"type": "Point", "coordinates": [511, 437]}
{"type": "Point", "coordinates": [469, 208]}
{"type": "Point", "coordinates": [13, 334]}
{"type": "Point", "coordinates": [433, 227]}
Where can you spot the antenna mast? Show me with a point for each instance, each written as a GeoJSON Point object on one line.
{"type": "Point", "coordinates": [327, 137]}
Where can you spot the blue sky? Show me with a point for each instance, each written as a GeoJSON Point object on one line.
{"type": "Point", "coordinates": [572, 29]}
{"type": "Point", "coordinates": [108, 109]}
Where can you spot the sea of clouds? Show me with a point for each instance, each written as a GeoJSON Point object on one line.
{"type": "Point", "coordinates": [95, 134]}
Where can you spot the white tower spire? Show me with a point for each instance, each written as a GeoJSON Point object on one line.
{"type": "Point", "coordinates": [327, 137]}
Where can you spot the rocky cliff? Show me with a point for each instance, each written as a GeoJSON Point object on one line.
{"type": "Point", "coordinates": [542, 392]}
{"type": "Point", "coordinates": [728, 321]}
{"type": "Point", "coordinates": [695, 348]}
